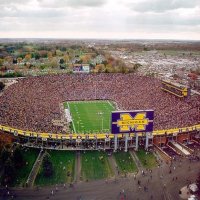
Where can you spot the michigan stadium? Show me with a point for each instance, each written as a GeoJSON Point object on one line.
{"type": "Point", "coordinates": [74, 112]}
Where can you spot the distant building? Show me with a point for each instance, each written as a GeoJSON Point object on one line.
{"type": "Point", "coordinates": [81, 68]}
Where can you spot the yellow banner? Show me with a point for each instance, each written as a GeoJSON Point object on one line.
{"type": "Point", "coordinates": [60, 136]}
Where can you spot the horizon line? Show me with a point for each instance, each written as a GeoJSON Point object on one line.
{"type": "Point", "coordinates": [119, 39]}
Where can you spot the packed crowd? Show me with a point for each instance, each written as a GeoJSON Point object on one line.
{"type": "Point", "coordinates": [32, 103]}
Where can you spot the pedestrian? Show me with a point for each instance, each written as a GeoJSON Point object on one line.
{"type": "Point", "coordinates": [52, 193]}
{"type": "Point", "coordinates": [142, 173]}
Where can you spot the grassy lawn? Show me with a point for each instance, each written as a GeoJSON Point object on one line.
{"type": "Point", "coordinates": [65, 105]}
{"type": "Point", "coordinates": [95, 165]}
{"type": "Point", "coordinates": [125, 162]}
{"type": "Point", "coordinates": [63, 165]}
{"type": "Point", "coordinates": [90, 116]}
{"type": "Point", "coordinates": [29, 155]}
{"type": "Point", "coordinates": [147, 159]}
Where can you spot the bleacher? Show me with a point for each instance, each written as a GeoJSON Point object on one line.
{"type": "Point", "coordinates": [169, 151]}
{"type": "Point", "coordinates": [192, 145]}
{"type": "Point", "coordinates": [68, 116]}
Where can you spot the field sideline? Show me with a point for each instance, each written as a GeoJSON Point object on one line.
{"type": "Point", "coordinates": [90, 116]}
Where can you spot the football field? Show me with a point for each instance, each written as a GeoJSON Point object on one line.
{"type": "Point", "coordinates": [90, 116]}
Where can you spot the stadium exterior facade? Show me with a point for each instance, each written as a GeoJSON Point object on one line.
{"type": "Point", "coordinates": [102, 141]}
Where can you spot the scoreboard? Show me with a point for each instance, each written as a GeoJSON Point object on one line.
{"type": "Point", "coordinates": [132, 121]}
{"type": "Point", "coordinates": [176, 89]}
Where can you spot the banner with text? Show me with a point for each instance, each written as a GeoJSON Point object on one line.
{"type": "Point", "coordinates": [132, 121]}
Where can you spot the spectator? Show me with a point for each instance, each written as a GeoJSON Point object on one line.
{"type": "Point", "coordinates": [33, 103]}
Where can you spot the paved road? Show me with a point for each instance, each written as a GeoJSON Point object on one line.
{"type": "Point", "coordinates": [158, 185]}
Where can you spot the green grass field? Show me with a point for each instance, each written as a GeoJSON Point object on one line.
{"type": "Point", "coordinates": [125, 162]}
{"type": "Point", "coordinates": [29, 155]}
{"type": "Point", "coordinates": [148, 160]}
{"type": "Point", "coordinates": [90, 116]}
{"type": "Point", "coordinates": [63, 165]}
{"type": "Point", "coordinates": [95, 165]}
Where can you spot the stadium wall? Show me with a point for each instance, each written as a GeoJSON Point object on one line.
{"type": "Point", "coordinates": [183, 137]}
{"type": "Point", "coordinates": [160, 139]}
{"type": "Point", "coordinates": [59, 136]}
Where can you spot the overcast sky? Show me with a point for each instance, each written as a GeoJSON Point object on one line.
{"type": "Point", "coordinates": [112, 19]}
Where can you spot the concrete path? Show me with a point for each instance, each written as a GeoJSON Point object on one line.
{"type": "Point", "coordinates": [32, 176]}
{"type": "Point", "coordinates": [136, 160]}
{"type": "Point", "coordinates": [113, 165]}
{"type": "Point", "coordinates": [77, 177]}
{"type": "Point", "coordinates": [160, 184]}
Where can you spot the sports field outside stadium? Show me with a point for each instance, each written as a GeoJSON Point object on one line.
{"type": "Point", "coordinates": [90, 116]}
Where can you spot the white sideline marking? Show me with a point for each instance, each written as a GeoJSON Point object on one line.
{"type": "Point", "coordinates": [72, 118]}
{"type": "Point", "coordinates": [110, 104]}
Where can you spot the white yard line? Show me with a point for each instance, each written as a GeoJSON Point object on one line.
{"type": "Point", "coordinates": [72, 119]}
